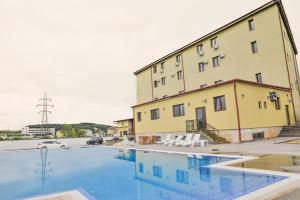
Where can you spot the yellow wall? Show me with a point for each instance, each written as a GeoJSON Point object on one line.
{"type": "Point", "coordinates": [239, 62]}
{"type": "Point", "coordinates": [250, 114]}
{"type": "Point", "coordinates": [253, 117]}
{"type": "Point", "coordinates": [173, 85]}
{"type": "Point", "coordinates": [168, 123]}
{"type": "Point", "coordinates": [290, 59]}
{"type": "Point", "coordinates": [144, 86]}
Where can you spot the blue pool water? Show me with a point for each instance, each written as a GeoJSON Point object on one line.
{"type": "Point", "coordinates": [112, 174]}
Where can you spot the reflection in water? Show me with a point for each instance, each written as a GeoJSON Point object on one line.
{"type": "Point", "coordinates": [108, 173]}
{"type": "Point", "coordinates": [43, 167]}
{"type": "Point", "coordinates": [285, 163]}
{"type": "Point", "coordinates": [126, 154]}
{"type": "Point", "coordinates": [172, 177]}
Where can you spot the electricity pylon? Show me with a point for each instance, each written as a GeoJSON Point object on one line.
{"type": "Point", "coordinates": [44, 104]}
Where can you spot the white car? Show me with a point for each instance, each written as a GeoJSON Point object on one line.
{"type": "Point", "coordinates": [51, 145]}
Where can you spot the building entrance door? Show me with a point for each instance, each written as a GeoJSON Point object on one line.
{"type": "Point", "coordinates": [287, 110]}
{"type": "Point", "coordinates": [201, 118]}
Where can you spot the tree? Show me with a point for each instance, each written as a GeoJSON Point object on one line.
{"type": "Point", "coordinates": [67, 130]}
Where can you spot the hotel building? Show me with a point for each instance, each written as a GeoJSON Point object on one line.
{"type": "Point", "coordinates": [240, 81]}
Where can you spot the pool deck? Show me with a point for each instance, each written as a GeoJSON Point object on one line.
{"type": "Point", "coordinates": [261, 147]}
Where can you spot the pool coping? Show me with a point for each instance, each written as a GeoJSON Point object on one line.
{"type": "Point", "coordinates": [266, 193]}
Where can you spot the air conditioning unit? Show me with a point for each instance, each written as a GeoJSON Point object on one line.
{"type": "Point", "coordinates": [172, 75]}
{"type": "Point", "coordinates": [273, 96]}
{"type": "Point", "coordinates": [205, 61]}
{"type": "Point", "coordinates": [177, 64]}
{"type": "Point", "coordinates": [161, 71]}
{"type": "Point", "coordinates": [201, 53]}
{"type": "Point", "coordinates": [222, 55]}
{"type": "Point", "coordinates": [216, 46]}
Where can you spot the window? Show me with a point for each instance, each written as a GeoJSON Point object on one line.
{"type": "Point", "coordinates": [265, 105]}
{"type": "Point", "coordinates": [251, 24]}
{"type": "Point", "coordinates": [139, 116]}
{"type": "Point", "coordinates": [258, 77]}
{"type": "Point", "coordinates": [220, 103]}
{"type": "Point", "coordinates": [203, 86]}
{"type": "Point", "coordinates": [163, 81]}
{"type": "Point", "coordinates": [178, 58]}
{"type": "Point", "coordinates": [182, 176]}
{"type": "Point", "coordinates": [141, 168]}
{"type": "Point", "coordinates": [277, 104]}
{"type": "Point", "coordinates": [155, 84]}
{"type": "Point", "coordinates": [178, 110]}
{"type": "Point", "coordinates": [218, 82]}
{"type": "Point", "coordinates": [216, 61]}
{"type": "Point", "coordinates": [201, 67]}
{"type": "Point", "coordinates": [157, 171]}
{"type": "Point", "coordinates": [213, 42]}
{"type": "Point", "coordinates": [254, 47]}
{"type": "Point", "coordinates": [259, 104]}
{"type": "Point", "coordinates": [154, 69]}
{"type": "Point", "coordinates": [154, 114]}
{"type": "Point", "coordinates": [179, 75]}
{"type": "Point", "coordinates": [162, 66]}
{"type": "Point", "coordinates": [200, 49]}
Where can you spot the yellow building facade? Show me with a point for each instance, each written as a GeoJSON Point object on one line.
{"type": "Point", "coordinates": [255, 56]}
{"type": "Point", "coordinates": [124, 127]}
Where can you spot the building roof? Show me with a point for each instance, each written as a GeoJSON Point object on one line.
{"type": "Point", "coordinates": [215, 86]}
{"type": "Point", "coordinates": [129, 119]}
{"type": "Point", "coordinates": [232, 23]}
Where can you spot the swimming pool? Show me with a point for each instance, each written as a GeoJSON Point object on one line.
{"type": "Point", "coordinates": [109, 174]}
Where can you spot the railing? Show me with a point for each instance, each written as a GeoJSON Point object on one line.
{"type": "Point", "coordinates": [199, 125]}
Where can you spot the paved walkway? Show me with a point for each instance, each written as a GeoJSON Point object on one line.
{"type": "Point", "coordinates": [270, 146]}
{"type": "Point", "coordinates": [32, 144]}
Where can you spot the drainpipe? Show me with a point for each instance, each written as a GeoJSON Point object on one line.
{"type": "Point", "coordinates": [237, 112]}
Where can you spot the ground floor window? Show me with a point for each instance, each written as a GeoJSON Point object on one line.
{"type": "Point", "coordinates": [154, 114]}
{"type": "Point", "coordinates": [139, 116]}
{"type": "Point", "coordinates": [178, 110]}
{"type": "Point", "coordinates": [220, 103]}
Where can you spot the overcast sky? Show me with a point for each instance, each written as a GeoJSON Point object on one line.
{"type": "Point", "coordinates": [84, 52]}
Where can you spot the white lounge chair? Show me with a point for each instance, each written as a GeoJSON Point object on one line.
{"type": "Point", "coordinates": [193, 142]}
{"type": "Point", "coordinates": [166, 140]}
{"type": "Point", "coordinates": [203, 143]}
{"type": "Point", "coordinates": [174, 142]}
{"type": "Point", "coordinates": [186, 142]}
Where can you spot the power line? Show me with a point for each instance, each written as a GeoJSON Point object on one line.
{"type": "Point", "coordinates": [45, 105]}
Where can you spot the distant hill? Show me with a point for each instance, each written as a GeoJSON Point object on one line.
{"type": "Point", "coordinates": [84, 125]}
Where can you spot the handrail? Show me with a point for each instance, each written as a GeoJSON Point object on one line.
{"type": "Point", "coordinates": [198, 125]}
